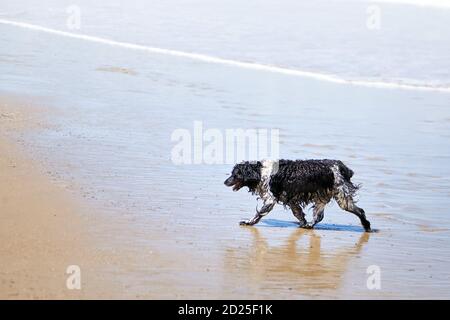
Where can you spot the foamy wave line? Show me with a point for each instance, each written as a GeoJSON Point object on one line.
{"type": "Point", "coordinates": [216, 60]}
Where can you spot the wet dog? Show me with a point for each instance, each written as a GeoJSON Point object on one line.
{"type": "Point", "coordinates": [296, 184]}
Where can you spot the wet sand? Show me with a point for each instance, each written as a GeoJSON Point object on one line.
{"type": "Point", "coordinates": [86, 119]}
{"type": "Point", "coordinates": [50, 221]}
{"type": "Point", "coordinates": [43, 231]}
{"type": "Point", "coordinates": [40, 233]}
{"type": "Point", "coordinates": [46, 227]}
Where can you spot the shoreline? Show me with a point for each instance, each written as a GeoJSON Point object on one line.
{"type": "Point", "coordinates": [43, 230]}
{"type": "Point", "coordinates": [256, 66]}
{"type": "Point", "coordinates": [49, 225]}
{"type": "Point", "coordinates": [133, 252]}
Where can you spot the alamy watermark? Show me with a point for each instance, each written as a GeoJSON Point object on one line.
{"type": "Point", "coordinates": [73, 21]}
{"type": "Point", "coordinates": [373, 21]}
{"type": "Point", "coordinates": [73, 281]}
{"type": "Point", "coordinates": [374, 279]}
{"type": "Point", "coordinates": [223, 146]}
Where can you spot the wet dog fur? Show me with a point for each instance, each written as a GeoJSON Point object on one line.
{"type": "Point", "coordinates": [296, 184]}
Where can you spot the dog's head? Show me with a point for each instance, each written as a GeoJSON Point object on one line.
{"type": "Point", "coordinates": [245, 174]}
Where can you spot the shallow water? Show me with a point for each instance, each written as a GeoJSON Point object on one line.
{"type": "Point", "coordinates": [115, 111]}
{"type": "Point", "coordinates": [352, 39]}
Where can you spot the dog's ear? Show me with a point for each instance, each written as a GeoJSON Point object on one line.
{"type": "Point", "coordinates": [251, 172]}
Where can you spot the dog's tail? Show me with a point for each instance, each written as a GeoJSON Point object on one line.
{"type": "Point", "coordinates": [345, 171]}
{"type": "Point", "coordinates": [347, 174]}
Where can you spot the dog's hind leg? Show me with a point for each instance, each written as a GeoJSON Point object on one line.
{"type": "Point", "coordinates": [259, 214]}
{"type": "Point", "coordinates": [347, 203]}
{"type": "Point", "coordinates": [298, 213]}
{"type": "Point", "coordinates": [318, 213]}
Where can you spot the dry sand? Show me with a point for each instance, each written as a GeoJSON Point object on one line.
{"type": "Point", "coordinates": [42, 230]}
{"type": "Point", "coordinates": [39, 233]}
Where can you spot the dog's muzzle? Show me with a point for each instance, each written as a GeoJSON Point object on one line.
{"type": "Point", "coordinates": [230, 182]}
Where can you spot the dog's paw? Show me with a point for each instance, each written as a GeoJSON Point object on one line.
{"type": "Point", "coordinates": [302, 224]}
{"type": "Point", "coordinates": [307, 226]}
{"type": "Point", "coordinates": [244, 223]}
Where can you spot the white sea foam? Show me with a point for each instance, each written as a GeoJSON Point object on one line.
{"type": "Point", "coordinates": [234, 63]}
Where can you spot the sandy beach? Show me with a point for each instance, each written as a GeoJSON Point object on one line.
{"type": "Point", "coordinates": [93, 98]}
{"type": "Point", "coordinates": [50, 222]}
{"type": "Point", "coordinates": [45, 229]}
{"type": "Point", "coordinates": [42, 231]}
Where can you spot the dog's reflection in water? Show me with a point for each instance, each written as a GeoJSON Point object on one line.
{"type": "Point", "coordinates": [298, 266]}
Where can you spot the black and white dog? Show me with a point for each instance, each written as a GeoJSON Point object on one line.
{"type": "Point", "coordinates": [297, 184]}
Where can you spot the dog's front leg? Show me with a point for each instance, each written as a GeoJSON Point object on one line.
{"type": "Point", "coordinates": [267, 207]}
{"type": "Point", "coordinates": [298, 213]}
{"type": "Point", "coordinates": [317, 215]}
